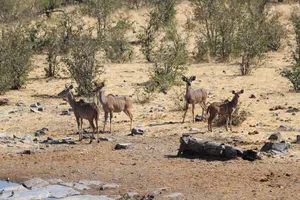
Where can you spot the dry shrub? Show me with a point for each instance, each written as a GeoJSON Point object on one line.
{"type": "Point", "coordinates": [178, 100]}
{"type": "Point", "coordinates": [239, 115]}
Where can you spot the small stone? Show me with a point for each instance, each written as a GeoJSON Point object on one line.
{"type": "Point", "coordinates": [4, 102]}
{"type": "Point", "coordinates": [33, 105]}
{"type": "Point", "coordinates": [159, 191]}
{"type": "Point", "coordinates": [49, 138]}
{"type": "Point", "coordinates": [72, 142]}
{"type": "Point", "coordinates": [27, 137]}
{"type": "Point", "coordinates": [276, 136]}
{"type": "Point", "coordinates": [39, 133]}
{"type": "Point", "coordinates": [174, 195]}
{"type": "Point", "coordinates": [105, 139]}
{"type": "Point", "coordinates": [10, 145]}
{"type": "Point", "coordinates": [259, 124]}
{"type": "Point", "coordinates": [252, 96]}
{"type": "Point", "coordinates": [237, 139]}
{"type": "Point", "coordinates": [29, 152]}
{"type": "Point", "coordinates": [33, 110]}
{"type": "Point", "coordinates": [199, 118]}
{"type": "Point", "coordinates": [109, 186]}
{"type": "Point", "coordinates": [285, 127]}
{"type": "Point", "coordinates": [138, 131]}
{"type": "Point", "coordinates": [132, 194]}
{"type": "Point", "coordinates": [253, 133]}
{"type": "Point", "coordinates": [278, 148]}
{"type": "Point", "coordinates": [194, 129]}
{"type": "Point", "coordinates": [54, 142]}
{"type": "Point", "coordinates": [123, 146]}
{"type": "Point", "coordinates": [298, 138]}
{"type": "Point", "coordinates": [41, 109]}
{"type": "Point", "coordinates": [20, 104]}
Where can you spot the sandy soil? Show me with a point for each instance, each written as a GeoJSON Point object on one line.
{"type": "Point", "coordinates": [151, 162]}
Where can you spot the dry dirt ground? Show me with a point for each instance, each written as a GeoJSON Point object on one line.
{"type": "Point", "coordinates": [151, 162]}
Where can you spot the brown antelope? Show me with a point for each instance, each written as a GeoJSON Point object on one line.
{"type": "Point", "coordinates": [194, 96]}
{"type": "Point", "coordinates": [227, 109]}
{"type": "Point", "coordinates": [113, 103]}
{"type": "Point", "coordinates": [82, 110]}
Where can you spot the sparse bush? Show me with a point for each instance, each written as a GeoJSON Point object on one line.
{"type": "Point", "coordinates": [48, 6]}
{"type": "Point", "coordinates": [145, 93]}
{"type": "Point", "coordinates": [238, 117]}
{"type": "Point", "coordinates": [295, 19]}
{"type": "Point", "coordinates": [82, 63]}
{"type": "Point", "coordinates": [201, 50]}
{"type": "Point", "coordinates": [170, 61]}
{"type": "Point", "coordinates": [15, 10]}
{"type": "Point", "coordinates": [274, 32]}
{"type": "Point", "coordinates": [163, 15]}
{"type": "Point", "coordinates": [293, 74]}
{"type": "Point", "coordinates": [56, 42]}
{"type": "Point", "coordinates": [102, 10]}
{"type": "Point", "coordinates": [15, 57]}
{"type": "Point", "coordinates": [116, 47]}
{"type": "Point", "coordinates": [217, 23]}
{"type": "Point", "coordinates": [178, 100]}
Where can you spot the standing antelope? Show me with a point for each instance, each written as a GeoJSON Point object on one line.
{"type": "Point", "coordinates": [194, 96]}
{"type": "Point", "coordinates": [113, 103]}
{"type": "Point", "coordinates": [82, 110]}
{"type": "Point", "coordinates": [227, 109]}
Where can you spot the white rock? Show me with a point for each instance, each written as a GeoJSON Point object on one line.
{"type": "Point", "coordinates": [35, 183]}
{"type": "Point", "coordinates": [88, 197]}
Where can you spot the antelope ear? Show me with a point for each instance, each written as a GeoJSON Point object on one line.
{"type": "Point", "coordinates": [193, 78]}
{"type": "Point", "coordinates": [66, 86]}
{"type": "Point", "coordinates": [71, 87]}
{"type": "Point", "coordinates": [183, 78]}
{"type": "Point", "coordinates": [233, 92]}
{"type": "Point", "coordinates": [242, 91]}
{"type": "Point", "coordinates": [95, 84]}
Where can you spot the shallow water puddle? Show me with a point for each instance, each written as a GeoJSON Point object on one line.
{"type": "Point", "coordinates": [5, 184]}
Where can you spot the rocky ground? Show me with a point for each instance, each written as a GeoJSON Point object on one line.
{"type": "Point", "coordinates": [38, 138]}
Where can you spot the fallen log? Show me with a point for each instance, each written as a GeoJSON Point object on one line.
{"type": "Point", "coordinates": [190, 145]}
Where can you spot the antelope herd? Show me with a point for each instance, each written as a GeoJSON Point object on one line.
{"type": "Point", "coordinates": [115, 103]}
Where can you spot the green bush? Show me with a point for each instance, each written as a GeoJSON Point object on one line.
{"type": "Point", "coordinates": [295, 19]}
{"type": "Point", "coordinates": [15, 57]}
{"type": "Point", "coordinates": [82, 63]}
{"type": "Point", "coordinates": [102, 10]}
{"type": "Point", "coordinates": [275, 32]}
{"type": "Point", "coordinates": [293, 75]}
{"type": "Point", "coordinates": [117, 48]}
{"type": "Point", "coordinates": [170, 61]}
{"type": "Point", "coordinates": [162, 16]}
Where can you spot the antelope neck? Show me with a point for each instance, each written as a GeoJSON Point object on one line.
{"type": "Point", "coordinates": [71, 99]}
{"type": "Point", "coordinates": [234, 101]}
{"type": "Point", "coordinates": [102, 97]}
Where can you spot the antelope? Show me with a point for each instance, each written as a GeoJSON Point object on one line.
{"type": "Point", "coordinates": [227, 109]}
{"type": "Point", "coordinates": [113, 103]}
{"type": "Point", "coordinates": [194, 96]}
{"type": "Point", "coordinates": [82, 110]}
